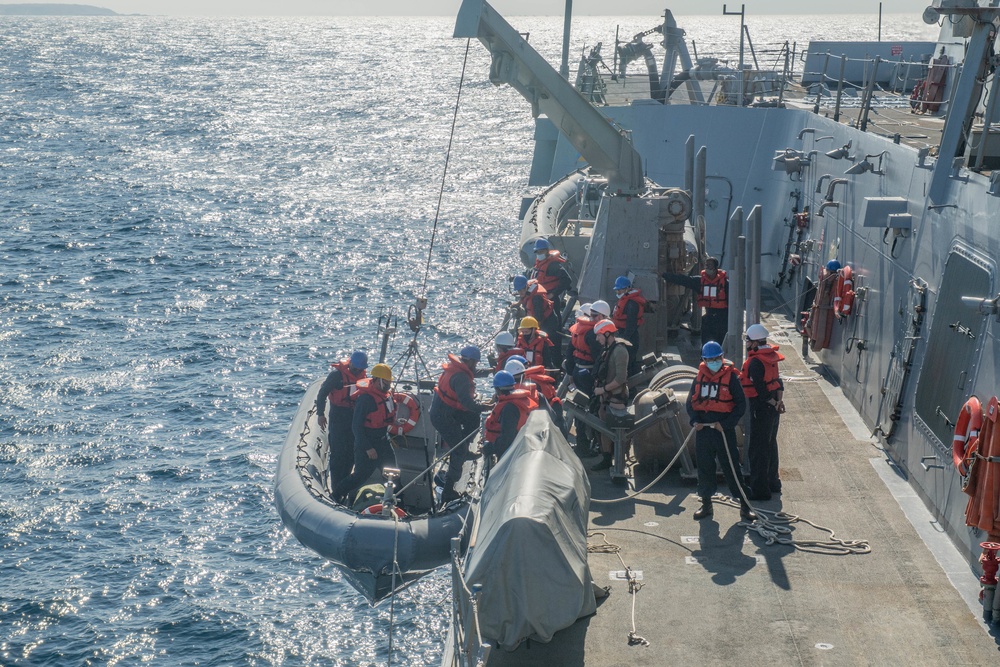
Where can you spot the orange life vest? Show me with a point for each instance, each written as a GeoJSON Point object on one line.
{"type": "Point", "coordinates": [524, 402]}
{"type": "Point", "coordinates": [578, 339]}
{"type": "Point", "coordinates": [528, 301]}
{"type": "Point", "coordinates": [546, 384]}
{"type": "Point", "coordinates": [443, 388]}
{"type": "Point", "coordinates": [504, 356]}
{"type": "Point", "coordinates": [770, 357]}
{"type": "Point", "coordinates": [713, 292]}
{"type": "Point", "coordinates": [539, 272]}
{"type": "Point", "coordinates": [618, 315]}
{"type": "Point", "coordinates": [534, 351]}
{"type": "Point", "coordinates": [341, 398]}
{"type": "Point", "coordinates": [385, 409]}
{"type": "Point", "coordinates": [710, 392]}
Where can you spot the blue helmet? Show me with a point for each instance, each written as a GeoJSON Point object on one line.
{"type": "Point", "coordinates": [541, 244]}
{"type": "Point", "coordinates": [520, 282]}
{"type": "Point", "coordinates": [518, 357]}
{"type": "Point", "coordinates": [711, 350]}
{"type": "Point", "coordinates": [833, 265]}
{"type": "Point", "coordinates": [359, 360]}
{"type": "Point", "coordinates": [470, 352]}
{"type": "Point", "coordinates": [503, 380]}
{"type": "Point", "coordinates": [622, 282]}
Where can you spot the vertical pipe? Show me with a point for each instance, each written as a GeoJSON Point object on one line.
{"type": "Point", "coordinates": [742, 72]}
{"type": "Point", "coordinates": [736, 273]}
{"type": "Point", "coordinates": [785, 76]}
{"type": "Point", "coordinates": [736, 305]}
{"type": "Point", "coordinates": [880, 21]}
{"type": "Point", "coordinates": [840, 88]}
{"type": "Point", "coordinates": [822, 82]}
{"type": "Point", "coordinates": [564, 65]}
{"type": "Point", "coordinates": [755, 224]}
{"type": "Point", "coordinates": [698, 213]}
{"type": "Point", "coordinates": [869, 93]}
{"type": "Point", "coordinates": [689, 165]}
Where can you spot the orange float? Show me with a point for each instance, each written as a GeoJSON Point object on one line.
{"type": "Point", "coordinates": [970, 421]}
{"type": "Point", "coordinates": [843, 293]}
{"type": "Point", "coordinates": [403, 424]}
{"type": "Point", "coordinates": [376, 510]}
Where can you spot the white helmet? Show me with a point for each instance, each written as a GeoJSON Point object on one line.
{"type": "Point", "coordinates": [514, 367]}
{"type": "Point", "coordinates": [504, 338]}
{"type": "Point", "coordinates": [583, 310]}
{"type": "Point", "coordinates": [601, 307]}
{"type": "Point", "coordinates": [757, 332]}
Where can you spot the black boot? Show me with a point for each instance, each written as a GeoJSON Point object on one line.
{"type": "Point", "coordinates": [747, 514]}
{"type": "Point", "coordinates": [706, 510]}
{"type": "Point", "coordinates": [603, 464]}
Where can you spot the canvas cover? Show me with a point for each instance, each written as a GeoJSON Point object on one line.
{"type": "Point", "coordinates": [530, 554]}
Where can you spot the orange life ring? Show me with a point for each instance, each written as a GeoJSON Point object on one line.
{"type": "Point", "coordinates": [404, 424]}
{"type": "Point", "coordinates": [376, 510]}
{"type": "Point", "coordinates": [970, 421]}
{"type": "Point", "coordinates": [843, 293]}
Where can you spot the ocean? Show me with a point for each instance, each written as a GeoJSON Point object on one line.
{"type": "Point", "coordinates": [199, 216]}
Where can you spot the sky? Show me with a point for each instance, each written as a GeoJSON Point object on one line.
{"type": "Point", "coordinates": [505, 7]}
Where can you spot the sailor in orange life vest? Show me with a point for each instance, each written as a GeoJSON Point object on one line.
{"type": "Point", "coordinates": [534, 301]}
{"type": "Point", "coordinates": [543, 389]}
{"type": "Point", "coordinates": [764, 388]}
{"type": "Point", "coordinates": [506, 349]}
{"type": "Point", "coordinates": [374, 411]}
{"type": "Point", "coordinates": [455, 412]}
{"type": "Point", "coordinates": [337, 388]}
{"type": "Point", "coordinates": [610, 381]}
{"type": "Point", "coordinates": [512, 408]}
{"type": "Point", "coordinates": [628, 316]}
{"type": "Point", "coordinates": [584, 351]}
{"type": "Point", "coordinates": [538, 348]}
{"type": "Point", "coordinates": [714, 406]}
{"type": "Point", "coordinates": [712, 288]}
{"type": "Point", "coordinates": [550, 272]}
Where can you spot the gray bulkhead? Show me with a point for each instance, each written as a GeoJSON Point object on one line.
{"type": "Point", "coordinates": [950, 243]}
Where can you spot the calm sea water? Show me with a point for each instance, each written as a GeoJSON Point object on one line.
{"type": "Point", "coordinates": [198, 216]}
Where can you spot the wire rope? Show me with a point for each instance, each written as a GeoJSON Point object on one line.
{"type": "Point", "coordinates": [444, 174]}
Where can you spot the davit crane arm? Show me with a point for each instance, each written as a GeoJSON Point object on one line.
{"type": "Point", "coordinates": [607, 150]}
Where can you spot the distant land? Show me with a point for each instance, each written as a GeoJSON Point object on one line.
{"type": "Point", "coordinates": [54, 9]}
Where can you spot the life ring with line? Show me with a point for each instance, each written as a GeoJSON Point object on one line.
{"type": "Point", "coordinates": [404, 423]}
{"type": "Point", "coordinates": [376, 510]}
{"type": "Point", "coordinates": [843, 293]}
{"type": "Point", "coordinates": [970, 421]}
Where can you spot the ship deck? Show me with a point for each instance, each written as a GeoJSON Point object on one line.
{"type": "Point", "coordinates": [714, 592]}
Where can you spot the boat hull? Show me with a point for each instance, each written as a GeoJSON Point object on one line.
{"type": "Point", "coordinates": [363, 547]}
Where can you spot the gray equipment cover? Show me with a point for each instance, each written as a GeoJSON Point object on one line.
{"type": "Point", "coordinates": [531, 548]}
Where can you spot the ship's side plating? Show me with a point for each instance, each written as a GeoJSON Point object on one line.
{"type": "Point", "coordinates": [917, 232]}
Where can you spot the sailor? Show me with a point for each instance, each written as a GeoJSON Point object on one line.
{"type": "Point", "coordinates": [580, 364]}
{"type": "Point", "coordinates": [763, 387]}
{"type": "Point", "coordinates": [511, 411]}
{"type": "Point", "coordinates": [537, 381]}
{"type": "Point", "coordinates": [337, 389]}
{"type": "Point", "coordinates": [714, 406]}
{"type": "Point", "coordinates": [534, 301]}
{"type": "Point", "coordinates": [628, 316]}
{"type": "Point", "coordinates": [504, 343]}
{"type": "Point", "coordinates": [538, 348]}
{"type": "Point", "coordinates": [374, 411]}
{"type": "Point", "coordinates": [610, 382]}
{"type": "Point", "coordinates": [712, 288]}
{"type": "Point", "coordinates": [550, 272]}
{"type": "Point", "coordinates": [455, 412]}
{"type": "Point", "coordinates": [579, 352]}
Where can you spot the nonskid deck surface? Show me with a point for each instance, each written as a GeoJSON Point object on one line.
{"type": "Point", "coordinates": [713, 593]}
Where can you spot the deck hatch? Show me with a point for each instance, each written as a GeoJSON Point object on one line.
{"type": "Point", "coordinates": [946, 375]}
